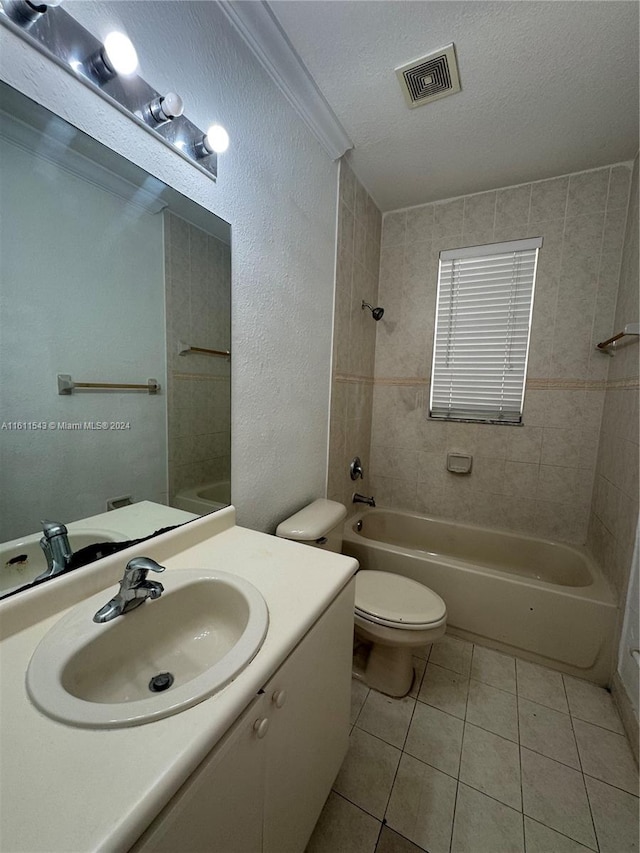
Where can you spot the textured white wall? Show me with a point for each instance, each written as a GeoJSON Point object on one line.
{"type": "Point", "coordinates": [277, 188]}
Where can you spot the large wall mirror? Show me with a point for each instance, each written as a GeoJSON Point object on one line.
{"type": "Point", "coordinates": [107, 276]}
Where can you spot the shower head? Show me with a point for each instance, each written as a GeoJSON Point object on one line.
{"type": "Point", "coordinates": [376, 313]}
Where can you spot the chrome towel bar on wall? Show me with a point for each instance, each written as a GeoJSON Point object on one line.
{"type": "Point", "coordinates": [185, 349]}
{"type": "Point", "coordinates": [66, 385]}
{"type": "Point", "coordinates": [629, 329]}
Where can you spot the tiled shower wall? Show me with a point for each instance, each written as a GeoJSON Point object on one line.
{"type": "Point", "coordinates": [614, 510]}
{"type": "Point", "coordinates": [198, 298]}
{"type": "Point", "coordinates": [536, 478]}
{"type": "Point", "coordinates": [354, 337]}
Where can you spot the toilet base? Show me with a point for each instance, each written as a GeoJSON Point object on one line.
{"type": "Point", "coordinates": [389, 665]}
{"type": "Point", "coordinates": [390, 670]}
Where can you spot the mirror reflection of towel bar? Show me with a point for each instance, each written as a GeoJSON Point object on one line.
{"type": "Point", "coordinates": [184, 349]}
{"type": "Point", "coordinates": [66, 385]}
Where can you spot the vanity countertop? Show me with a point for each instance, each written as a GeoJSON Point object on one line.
{"type": "Point", "coordinates": [72, 789]}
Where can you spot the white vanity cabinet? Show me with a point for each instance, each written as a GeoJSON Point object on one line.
{"type": "Point", "coordinates": [263, 786]}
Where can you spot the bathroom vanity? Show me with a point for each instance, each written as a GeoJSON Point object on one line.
{"type": "Point", "coordinates": [246, 769]}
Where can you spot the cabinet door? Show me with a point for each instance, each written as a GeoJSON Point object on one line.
{"type": "Point", "coordinates": [309, 727]}
{"type": "Point", "coordinates": [219, 808]}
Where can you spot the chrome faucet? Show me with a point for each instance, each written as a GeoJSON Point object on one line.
{"type": "Point", "coordinates": [56, 547]}
{"type": "Point", "coordinates": [362, 499]}
{"type": "Point", "coordinates": [134, 589]}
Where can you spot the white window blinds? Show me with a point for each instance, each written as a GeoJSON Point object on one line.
{"type": "Point", "coordinates": [483, 320]}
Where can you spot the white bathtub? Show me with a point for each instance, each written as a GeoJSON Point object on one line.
{"type": "Point", "coordinates": [205, 498]}
{"type": "Point", "coordinates": [543, 601]}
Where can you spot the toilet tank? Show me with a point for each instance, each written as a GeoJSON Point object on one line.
{"type": "Point", "coordinates": [318, 524]}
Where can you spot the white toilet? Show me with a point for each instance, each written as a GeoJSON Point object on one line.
{"type": "Point", "coordinates": [392, 613]}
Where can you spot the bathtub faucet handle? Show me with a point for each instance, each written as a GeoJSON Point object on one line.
{"type": "Point", "coordinates": [355, 468]}
{"type": "Point", "coordinates": [362, 499]}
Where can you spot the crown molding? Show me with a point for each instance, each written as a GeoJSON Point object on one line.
{"type": "Point", "coordinates": [260, 30]}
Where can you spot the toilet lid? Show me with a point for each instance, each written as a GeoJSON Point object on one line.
{"type": "Point", "coordinates": [393, 599]}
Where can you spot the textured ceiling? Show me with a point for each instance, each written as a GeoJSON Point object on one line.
{"type": "Point", "coordinates": [547, 88]}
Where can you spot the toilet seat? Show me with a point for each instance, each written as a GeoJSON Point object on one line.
{"type": "Point", "coordinates": [397, 602]}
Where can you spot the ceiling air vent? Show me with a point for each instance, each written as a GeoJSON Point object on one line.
{"type": "Point", "coordinates": [429, 78]}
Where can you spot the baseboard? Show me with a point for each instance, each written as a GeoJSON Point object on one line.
{"type": "Point", "coordinates": [627, 713]}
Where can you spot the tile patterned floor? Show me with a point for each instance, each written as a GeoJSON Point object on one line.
{"type": "Point", "coordinates": [489, 754]}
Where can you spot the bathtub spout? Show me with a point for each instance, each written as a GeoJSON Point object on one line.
{"type": "Point", "coordinates": [361, 499]}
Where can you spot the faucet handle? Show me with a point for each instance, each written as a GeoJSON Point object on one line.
{"type": "Point", "coordinates": [146, 564]}
{"type": "Point", "coordinates": [53, 528]}
{"type": "Point", "coordinates": [137, 569]}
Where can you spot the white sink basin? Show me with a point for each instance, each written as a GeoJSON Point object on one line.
{"type": "Point", "coordinates": [204, 630]}
{"type": "Point", "coordinates": [22, 560]}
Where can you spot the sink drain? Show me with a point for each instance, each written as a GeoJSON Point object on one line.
{"type": "Point", "coordinates": [160, 682]}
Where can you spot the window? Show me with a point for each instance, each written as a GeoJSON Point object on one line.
{"type": "Point", "coordinates": [483, 321]}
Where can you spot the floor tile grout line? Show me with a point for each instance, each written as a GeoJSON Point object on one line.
{"type": "Point", "coordinates": [484, 793]}
{"type": "Point", "coordinates": [584, 783]}
{"type": "Point", "coordinates": [609, 785]}
{"type": "Point", "coordinates": [402, 835]}
{"type": "Point", "coordinates": [493, 686]}
{"type": "Point", "coordinates": [402, 752]}
{"type": "Point", "coordinates": [337, 793]}
{"type": "Point", "coordinates": [590, 722]}
{"type": "Point", "coordinates": [563, 834]}
{"type": "Point", "coordinates": [377, 737]}
{"type": "Point", "coordinates": [524, 843]}
{"type": "Point", "coordinates": [406, 734]}
{"type": "Point", "coordinates": [621, 734]}
{"type": "Point", "coordinates": [378, 838]}
{"type": "Point", "coordinates": [467, 677]}
{"type": "Point", "coordinates": [488, 683]}
{"type": "Point", "coordinates": [515, 678]}
{"type": "Point", "coordinates": [506, 805]}
{"type": "Point", "coordinates": [432, 766]}
{"type": "Point", "coordinates": [455, 806]}
{"type": "Point", "coordinates": [355, 722]}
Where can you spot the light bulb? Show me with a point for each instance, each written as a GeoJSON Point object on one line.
{"type": "Point", "coordinates": [172, 105]}
{"type": "Point", "coordinates": [164, 108]}
{"type": "Point", "coordinates": [119, 54]}
{"type": "Point", "coordinates": [217, 139]}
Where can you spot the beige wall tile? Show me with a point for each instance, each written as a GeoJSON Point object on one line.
{"type": "Point", "coordinates": [448, 218]}
{"type": "Point", "coordinates": [524, 444]}
{"type": "Point", "coordinates": [394, 228]}
{"type": "Point", "coordinates": [479, 213]}
{"type": "Point", "coordinates": [520, 479]}
{"type": "Point", "coordinates": [619, 186]}
{"type": "Point", "coordinates": [574, 307]}
{"type": "Point", "coordinates": [614, 509]}
{"type": "Point", "coordinates": [588, 192]}
{"type": "Point", "coordinates": [512, 207]}
{"type": "Point", "coordinates": [549, 199]}
{"type": "Point", "coordinates": [419, 224]}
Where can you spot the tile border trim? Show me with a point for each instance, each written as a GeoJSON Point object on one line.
{"type": "Point", "coordinates": [548, 384]}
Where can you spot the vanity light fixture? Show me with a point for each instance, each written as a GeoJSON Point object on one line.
{"type": "Point", "coordinates": [110, 70]}
{"type": "Point", "coordinates": [25, 12]}
{"type": "Point", "coordinates": [215, 141]}
{"type": "Point", "coordinates": [164, 108]}
{"type": "Point", "coordinates": [116, 56]}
